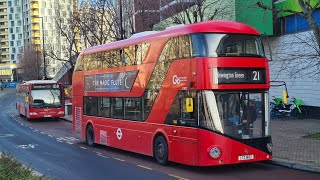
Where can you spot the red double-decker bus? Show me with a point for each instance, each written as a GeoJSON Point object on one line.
{"type": "Point", "coordinates": [40, 99]}
{"type": "Point", "coordinates": [195, 94]}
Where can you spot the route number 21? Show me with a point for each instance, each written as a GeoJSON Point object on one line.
{"type": "Point", "coordinates": [256, 75]}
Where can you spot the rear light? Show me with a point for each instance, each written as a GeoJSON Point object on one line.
{"type": "Point", "coordinates": [61, 112]}
{"type": "Point", "coordinates": [33, 113]}
{"type": "Point", "coordinates": [215, 152]}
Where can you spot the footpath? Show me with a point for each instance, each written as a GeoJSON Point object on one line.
{"type": "Point", "coordinates": [290, 146]}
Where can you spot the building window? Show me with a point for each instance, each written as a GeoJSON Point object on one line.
{"type": "Point", "coordinates": [295, 23]}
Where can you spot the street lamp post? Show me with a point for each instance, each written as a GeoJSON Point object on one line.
{"type": "Point", "coordinates": [44, 55]}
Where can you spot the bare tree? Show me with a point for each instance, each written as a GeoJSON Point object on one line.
{"type": "Point", "coordinates": [300, 53]}
{"type": "Point", "coordinates": [68, 32]}
{"type": "Point", "coordinates": [193, 11]}
{"type": "Point", "coordinates": [31, 63]}
{"type": "Point", "coordinates": [307, 10]}
{"type": "Point", "coordinates": [104, 21]}
{"type": "Point", "coordinates": [97, 22]}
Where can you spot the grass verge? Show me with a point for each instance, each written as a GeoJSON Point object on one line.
{"type": "Point", "coordinates": [313, 136]}
{"type": "Point", "coordinates": [10, 168]}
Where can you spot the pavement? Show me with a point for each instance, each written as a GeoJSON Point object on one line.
{"type": "Point", "coordinates": [290, 146]}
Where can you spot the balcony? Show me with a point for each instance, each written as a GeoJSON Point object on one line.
{"type": "Point", "coordinates": [36, 40]}
{"type": "Point", "coordinates": [34, 13]}
{"type": "Point", "coordinates": [34, 6]}
{"type": "Point", "coordinates": [36, 27]}
{"type": "Point", "coordinates": [3, 12]}
{"type": "Point", "coordinates": [4, 59]}
{"type": "Point", "coordinates": [4, 44]}
{"type": "Point", "coordinates": [35, 20]}
{"type": "Point", "coordinates": [36, 34]}
{"type": "Point", "coordinates": [4, 30]}
{"type": "Point", "coordinates": [4, 52]}
{"type": "Point", "coordinates": [4, 19]}
{"type": "Point", "coordinates": [4, 39]}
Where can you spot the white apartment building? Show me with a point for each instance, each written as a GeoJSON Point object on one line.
{"type": "Point", "coordinates": [7, 62]}
{"type": "Point", "coordinates": [24, 22]}
{"type": "Point", "coordinates": [40, 28]}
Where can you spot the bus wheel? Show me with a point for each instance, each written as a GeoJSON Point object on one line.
{"type": "Point", "coordinates": [160, 150]}
{"type": "Point", "coordinates": [90, 135]}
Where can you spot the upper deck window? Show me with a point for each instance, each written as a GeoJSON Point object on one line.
{"type": "Point", "coordinates": [127, 56]}
{"type": "Point", "coordinates": [227, 45]}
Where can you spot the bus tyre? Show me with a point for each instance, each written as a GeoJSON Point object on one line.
{"type": "Point", "coordinates": [90, 135]}
{"type": "Point", "coordinates": [160, 150]}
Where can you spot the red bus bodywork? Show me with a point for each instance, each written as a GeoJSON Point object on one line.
{"type": "Point", "coordinates": [25, 100]}
{"type": "Point", "coordinates": [186, 145]}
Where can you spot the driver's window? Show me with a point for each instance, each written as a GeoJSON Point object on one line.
{"type": "Point", "coordinates": [178, 114]}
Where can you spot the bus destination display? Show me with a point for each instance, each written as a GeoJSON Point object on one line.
{"type": "Point", "coordinates": [45, 86]}
{"type": "Point", "coordinates": [238, 76]}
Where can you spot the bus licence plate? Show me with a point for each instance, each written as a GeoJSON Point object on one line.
{"type": "Point", "coordinates": [47, 115]}
{"type": "Point", "coordinates": [245, 157]}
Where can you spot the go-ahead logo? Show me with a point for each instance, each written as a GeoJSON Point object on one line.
{"type": "Point", "coordinates": [177, 80]}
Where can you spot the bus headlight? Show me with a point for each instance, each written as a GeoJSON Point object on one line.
{"type": "Point", "coordinates": [33, 113]}
{"type": "Point", "coordinates": [215, 152]}
{"type": "Point", "coordinates": [269, 147]}
{"type": "Point", "coordinates": [61, 112]}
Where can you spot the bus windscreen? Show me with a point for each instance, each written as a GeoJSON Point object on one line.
{"type": "Point", "coordinates": [46, 98]}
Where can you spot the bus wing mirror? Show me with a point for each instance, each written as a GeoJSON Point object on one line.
{"type": "Point", "coordinates": [189, 105]}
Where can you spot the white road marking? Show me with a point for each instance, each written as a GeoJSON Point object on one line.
{"type": "Point", "coordinates": [118, 159]}
{"type": "Point", "coordinates": [102, 156]}
{"type": "Point", "coordinates": [6, 135]}
{"type": "Point", "coordinates": [145, 167]}
{"type": "Point", "coordinates": [28, 146]}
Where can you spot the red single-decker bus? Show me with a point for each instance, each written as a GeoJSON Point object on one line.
{"type": "Point", "coordinates": [40, 99]}
{"type": "Point", "coordinates": [195, 94]}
